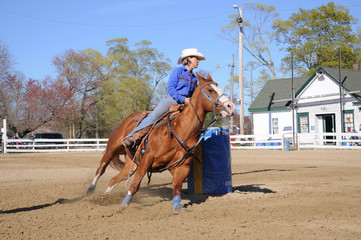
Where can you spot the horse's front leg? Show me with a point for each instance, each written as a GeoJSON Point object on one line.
{"type": "Point", "coordinates": [139, 174]}
{"type": "Point", "coordinates": [179, 175]}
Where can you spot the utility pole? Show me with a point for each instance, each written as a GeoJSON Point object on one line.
{"type": "Point", "coordinates": [251, 85]}
{"type": "Point", "coordinates": [240, 49]}
{"type": "Point", "coordinates": [232, 66]}
{"type": "Point", "coordinates": [340, 87]}
{"type": "Point", "coordinates": [294, 141]}
{"type": "Point", "coordinates": [252, 96]}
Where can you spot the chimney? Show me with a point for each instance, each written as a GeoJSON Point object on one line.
{"type": "Point", "coordinates": [356, 67]}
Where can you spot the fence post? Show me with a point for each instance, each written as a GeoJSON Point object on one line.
{"type": "Point", "coordinates": [4, 135]}
{"type": "Point", "coordinates": [315, 139]}
{"type": "Point", "coordinates": [298, 141]}
{"type": "Point", "coordinates": [4, 144]}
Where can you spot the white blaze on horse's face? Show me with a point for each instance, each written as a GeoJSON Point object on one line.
{"type": "Point", "coordinates": [228, 107]}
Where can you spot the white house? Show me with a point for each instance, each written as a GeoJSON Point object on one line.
{"type": "Point", "coordinates": [318, 107]}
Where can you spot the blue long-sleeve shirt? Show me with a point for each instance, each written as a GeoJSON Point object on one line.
{"type": "Point", "coordinates": [181, 84]}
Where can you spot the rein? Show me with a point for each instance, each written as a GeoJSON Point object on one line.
{"type": "Point", "coordinates": [189, 150]}
{"type": "Point", "coordinates": [215, 104]}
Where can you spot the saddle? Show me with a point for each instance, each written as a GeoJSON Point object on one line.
{"type": "Point", "coordinates": [142, 135]}
{"type": "Point", "coordinates": [172, 113]}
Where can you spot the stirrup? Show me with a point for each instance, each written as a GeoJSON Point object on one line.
{"type": "Point", "coordinates": [128, 142]}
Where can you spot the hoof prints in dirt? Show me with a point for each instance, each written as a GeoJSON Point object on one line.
{"type": "Point", "coordinates": [106, 199]}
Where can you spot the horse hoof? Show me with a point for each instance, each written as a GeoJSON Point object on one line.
{"type": "Point", "coordinates": [179, 208]}
{"type": "Point", "coordinates": [182, 209]}
{"type": "Point", "coordinates": [90, 190]}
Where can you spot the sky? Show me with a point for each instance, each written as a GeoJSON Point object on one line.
{"type": "Point", "coordinates": [36, 31]}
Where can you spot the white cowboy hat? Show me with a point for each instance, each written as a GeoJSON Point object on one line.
{"type": "Point", "coordinates": [190, 52]}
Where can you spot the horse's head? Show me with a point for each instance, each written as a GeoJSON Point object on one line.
{"type": "Point", "coordinates": [213, 98]}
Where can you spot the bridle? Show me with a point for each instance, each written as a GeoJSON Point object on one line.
{"type": "Point", "coordinates": [215, 104]}
{"type": "Point", "coordinates": [214, 101]}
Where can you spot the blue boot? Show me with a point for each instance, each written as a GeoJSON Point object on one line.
{"type": "Point", "coordinates": [177, 205]}
{"type": "Point", "coordinates": [126, 200]}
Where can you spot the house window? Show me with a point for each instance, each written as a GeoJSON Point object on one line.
{"type": "Point", "coordinates": [274, 125]}
{"type": "Point", "coordinates": [348, 120]}
{"type": "Point", "coordinates": [303, 122]}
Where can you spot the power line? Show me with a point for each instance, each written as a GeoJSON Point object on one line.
{"type": "Point", "coordinates": [110, 25]}
{"type": "Point", "coordinates": [294, 9]}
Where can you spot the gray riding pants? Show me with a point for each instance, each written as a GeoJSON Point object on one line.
{"type": "Point", "coordinates": [152, 117]}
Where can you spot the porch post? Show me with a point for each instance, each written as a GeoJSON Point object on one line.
{"type": "Point", "coordinates": [340, 86]}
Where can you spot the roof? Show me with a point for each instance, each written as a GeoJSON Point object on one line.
{"type": "Point", "coordinates": [352, 82]}
{"type": "Point", "coordinates": [279, 89]}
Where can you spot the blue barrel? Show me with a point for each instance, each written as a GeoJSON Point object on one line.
{"type": "Point", "coordinates": [211, 171]}
{"type": "Point", "coordinates": [287, 145]}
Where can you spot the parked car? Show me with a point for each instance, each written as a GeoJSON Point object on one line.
{"type": "Point", "coordinates": [46, 136]}
{"type": "Point", "coordinates": [49, 135]}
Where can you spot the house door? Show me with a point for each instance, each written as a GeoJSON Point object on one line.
{"type": "Point", "coordinates": [329, 126]}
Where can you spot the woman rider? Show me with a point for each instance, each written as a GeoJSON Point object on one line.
{"type": "Point", "coordinates": [181, 85]}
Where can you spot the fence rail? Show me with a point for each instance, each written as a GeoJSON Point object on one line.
{"type": "Point", "coordinates": [270, 142]}
{"type": "Point", "coordinates": [329, 140]}
{"type": "Point", "coordinates": [303, 141]}
{"type": "Point", "coordinates": [54, 145]}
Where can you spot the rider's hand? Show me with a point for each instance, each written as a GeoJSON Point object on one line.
{"type": "Point", "coordinates": [187, 101]}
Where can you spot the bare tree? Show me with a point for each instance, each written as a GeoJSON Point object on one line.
{"type": "Point", "coordinates": [81, 73]}
{"type": "Point", "coordinates": [257, 33]}
{"type": "Point", "coordinates": [6, 62]}
{"type": "Point", "coordinates": [11, 91]}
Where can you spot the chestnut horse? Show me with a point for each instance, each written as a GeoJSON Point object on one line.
{"type": "Point", "coordinates": [165, 150]}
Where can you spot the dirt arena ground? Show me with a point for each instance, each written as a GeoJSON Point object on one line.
{"type": "Point", "coordinates": [313, 194]}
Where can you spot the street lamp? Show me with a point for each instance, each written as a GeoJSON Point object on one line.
{"type": "Point", "coordinates": [240, 49]}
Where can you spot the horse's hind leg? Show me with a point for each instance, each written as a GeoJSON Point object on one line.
{"type": "Point", "coordinates": [129, 168]}
{"type": "Point", "coordinates": [106, 159]}
{"type": "Point", "coordinates": [134, 187]}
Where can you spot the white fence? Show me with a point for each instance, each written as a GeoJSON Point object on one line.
{"type": "Point", "coordinates": [304, 141]}
{"type": "Point", "coordinates": [270, 142]}
{"type": "Point", "coordinates": [329, 140]}
{"type": "Point", "coordinates": [53, 145]}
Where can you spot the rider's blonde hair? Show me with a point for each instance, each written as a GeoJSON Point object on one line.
{"type": "Point", "coordinates": [185, 61]}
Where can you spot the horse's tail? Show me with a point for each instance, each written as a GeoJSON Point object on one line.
{"type": "Point", "coordinates": [117, 164]}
